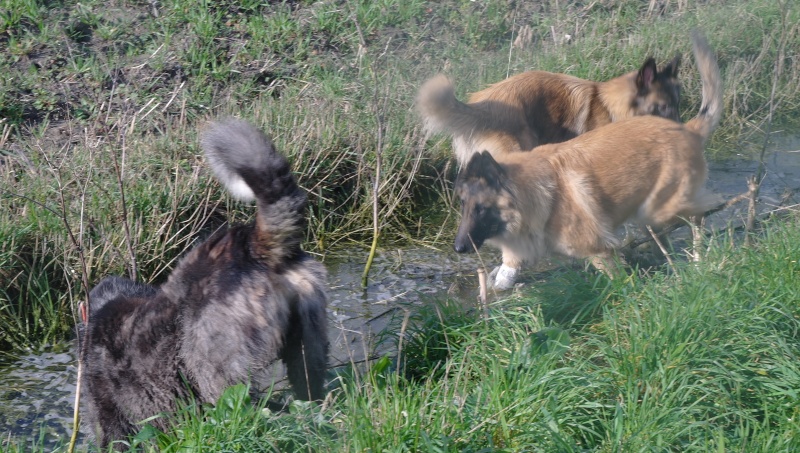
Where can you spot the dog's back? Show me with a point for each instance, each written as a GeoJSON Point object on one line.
{"type": "Point", "coordinates": [537, 107]}
{"type": "Point", "coordinates": [131, 365]}
{"type": "Point", "coordinates": [260, 280]}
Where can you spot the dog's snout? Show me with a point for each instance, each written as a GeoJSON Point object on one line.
{"type": "Point", "coordinates": [463, 245]}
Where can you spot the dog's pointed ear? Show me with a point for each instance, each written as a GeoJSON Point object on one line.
{"type": "Point", "coordinates": [646, 75]}
{"type": "Point", "coordinates": [671, 70]}
{"type": "Point", "coordinates": [482, 165]}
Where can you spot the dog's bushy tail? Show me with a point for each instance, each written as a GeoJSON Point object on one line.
{"type": "Point", "coordinates": [441, 111]}
{"type": "Point", "coordinates": [711, 109]}
{"type": "Point", "coordinates": [246, 162]}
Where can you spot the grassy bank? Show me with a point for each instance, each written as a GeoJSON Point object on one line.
{"type": "Point", "coordinates": [101, 101]}
{"type": "Point", "coordinates": [704, 358]}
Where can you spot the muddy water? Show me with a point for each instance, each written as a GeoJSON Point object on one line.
{"type": "Point", "coordinates": [36, 396]}
{"type": "Point", "coordinates": [781, 180]}
{"type": "Point", "coordinates": [37, 390]}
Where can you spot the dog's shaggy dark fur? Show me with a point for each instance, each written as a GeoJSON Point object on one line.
{"type": "Point", "coordinates": [234, 304]}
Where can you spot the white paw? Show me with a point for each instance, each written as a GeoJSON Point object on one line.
{"type": "Point", "coordinates": [503, 277]}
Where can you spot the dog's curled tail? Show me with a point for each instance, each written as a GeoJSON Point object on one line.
{"type": "Point", "coordinates": [711, 109]}
{"type": "Point", "coordinates": [246, 162]}
{"type": "Point", "coordinates": [441, 111]}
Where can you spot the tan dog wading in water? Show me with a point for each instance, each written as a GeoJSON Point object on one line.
{"type": "Point", "coordinates": [568, 198]}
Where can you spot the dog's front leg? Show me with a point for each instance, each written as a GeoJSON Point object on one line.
{"type": "Point", "coordinates": [504, 276]}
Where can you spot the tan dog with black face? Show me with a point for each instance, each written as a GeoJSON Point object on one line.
{"type": "Point", "coordinates": [537, 107]}
{"type": "Point", "coordinates": [568, 198]}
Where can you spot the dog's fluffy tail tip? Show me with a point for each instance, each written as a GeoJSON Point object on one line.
{"type": "Point", "coordinates": [434, 101]}
{"type": "Point", "coordinates": [245, 161]}
{"type": "Point", "coordinates": [232, 146]}
{"type": "Point", "coordinates": [711, 109]}
{"type": "Point", "coordinates": [437, 86]}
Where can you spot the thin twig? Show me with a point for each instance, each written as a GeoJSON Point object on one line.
{"type": "Point", "coordinates": [661, 247]}
{"type": "Point", "coordinates": [119, 168]}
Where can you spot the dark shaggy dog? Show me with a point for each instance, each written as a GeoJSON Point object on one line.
{"type": "Point", "coordinates": [234, 304]}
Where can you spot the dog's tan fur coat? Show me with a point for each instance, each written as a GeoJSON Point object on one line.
{"type": "Point", "coordinates": [537, 107]}
{"type": "Point", "coordinates": [568, 198]}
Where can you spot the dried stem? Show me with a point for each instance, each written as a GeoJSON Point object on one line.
{"type": "Point", "coordinates": [698, 224]}
{"type": "Point", "coordinates": [380, 108]}
{"type": "Point", "coordinates": [754, 183]}
{"type": "Point", "coordinates": [376, 232]}
{"type": "Point", "coordinates": [661, 247]}
{"type": "Point", "coordinates": [403, 328]}
{"type": "Point", "coordinates": [77, 242]}
{"type": "Point", "coordinates": [482, 294]}
{"type": "Point", "coordinates": [119, 168]}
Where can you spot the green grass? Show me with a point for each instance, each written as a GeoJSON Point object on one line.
{"type": "Point", "coordinates": [701, 359]}
{"type": "Point", "coordinates": [102, 99]}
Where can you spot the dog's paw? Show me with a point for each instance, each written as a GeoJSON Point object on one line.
{"type": "Point", "coordinates": [503, 277]}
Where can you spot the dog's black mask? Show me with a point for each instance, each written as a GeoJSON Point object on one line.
{"type": "Point", "coordinates": [479, 188]}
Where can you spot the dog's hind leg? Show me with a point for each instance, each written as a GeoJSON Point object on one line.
{"type": "Point", "coordinates": [609, 263]}
{"type": "Point", "coordinates": [305, 349]}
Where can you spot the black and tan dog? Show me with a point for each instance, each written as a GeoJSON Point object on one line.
{"type": "Point", "coordinates": [236, 303]}
{"type": "Point", "coordinates": [537, 107]}
{"type": "Point", "coordinates": [568, 198]}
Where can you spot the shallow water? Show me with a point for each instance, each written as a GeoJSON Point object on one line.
{"type": "Point", "coordinates": [37, 390]}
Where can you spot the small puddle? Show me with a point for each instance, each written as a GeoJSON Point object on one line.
{"type": "Point", "coordinates": [37, 390]}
